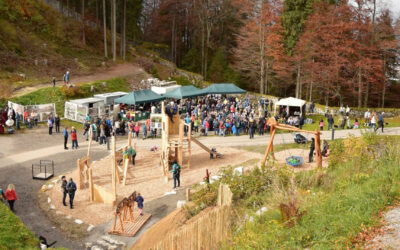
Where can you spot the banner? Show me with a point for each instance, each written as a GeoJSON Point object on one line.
{"type": "Point", "coordinates": [18, 108]}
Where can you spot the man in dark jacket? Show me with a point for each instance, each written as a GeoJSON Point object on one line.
{"type": "Point", "coordinates": [64, 189]}
{"type": "Point", "coordinates": [312, 148]}
{"type": "Point", "coordinates": [381, 121]}
{"type": "Point", "coordinates": [57, 121]}
{"type": "Point", "coordinates": [330, 121]}
{"type": "Point", "coordinates": [107, 133]}
{"type": "Point", "coordinates": [71, 188]}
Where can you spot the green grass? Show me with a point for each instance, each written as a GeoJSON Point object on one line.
{"type": "Point", "coordinates": [339, 202]}
{"type": "Point", "coordinates": [59, 95]}
{"type": "Point", "coordinates": [13, 233]}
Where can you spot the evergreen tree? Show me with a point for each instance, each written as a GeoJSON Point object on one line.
{"type": "Point", "coordinates": [294, 15]}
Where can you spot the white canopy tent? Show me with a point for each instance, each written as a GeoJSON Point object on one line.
{"type": "Point", "coordinates": [291, 102]}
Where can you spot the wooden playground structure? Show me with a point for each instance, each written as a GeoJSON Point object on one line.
{"type": "Point", "coordinates": [174, 142]}
{"type": "Point", "coordinates": [274, 125]}
{"type": "Point", "coordinates": [126, 221]}
{"type": "Point", "coordinates": [85, 180]}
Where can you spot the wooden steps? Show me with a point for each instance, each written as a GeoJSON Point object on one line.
{"type": "Point", "coordinates": [131, 228]}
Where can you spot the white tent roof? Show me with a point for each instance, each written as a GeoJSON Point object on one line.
{"type": "Point", "coordinates": [291, 102]}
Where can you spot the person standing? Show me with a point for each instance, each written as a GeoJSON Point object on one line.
{"type": "Point", "coordinates": [140, 200]}
{"type": "Point", "coordinates": [11, 196]}
{"type": "Point", "coordinates": [381, 122]}
{"type": "Point", "coordinates": [54, 82]}
{"type": "Point", "coordinates": [312, 148]}
{"type": "Point", "coordinates": [65, 134]}
{"type": "Point", "coordinates": [373, 121]}
{"type": "Point", "coordinates": [17, 120]}
{"type": "Point", "coordinates": [321, 124]}
{"type": "Point", "coordinates": [64, 189]}
{"type": "Point", "coordinates": [71, 188]}
{"type": "Point", "coordinates": [2, 195]}
{"type": "Point", "coordinates": [330, 121]}
{"type": "Point", "coordinates": [86, 127]}
{"type": "Point", "coordinates": [107, 131]}
{"type": "Point", "coordinates": [57, 121]}
{"type": "Point", "coordinates": [50, 125]}
{"type": "Point", "coordinates": [74, 138]}
{"type": "Point", "coordinates": [176, 171]}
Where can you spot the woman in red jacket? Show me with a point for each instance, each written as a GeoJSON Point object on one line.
{"type": "Point", "coordinates": [11, 196]}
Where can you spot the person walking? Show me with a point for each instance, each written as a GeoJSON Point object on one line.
{"type": "Point", "coordinates": [65, 134]}
{"type": "Point", "coordinates": [50, 125]}
{"type": "Point", "coordinates": [71, 189]}
{"type": "Point", "coordinates": [11, 196]}
{"type": "Point", "coordinates": [57, 122]}
{"type": "Point", "coordinates": [176, 171]}
{"type": "Point", "coordinates": [140, 200]}
{"type": "Point", "coordinates": [74, 138]}
{"type": "Point", "coordinates": [330, 121]}
{"type": "Point", "coordinates": [86, 127]}
{"type": "Point", "coordinates": [64, 189]}
{"type": "Point", "coordinates": [373, 121]}
{"type": "Point", "coordinates": [381, 121]}
{"type": "Point", "coordinates": [312, 148]}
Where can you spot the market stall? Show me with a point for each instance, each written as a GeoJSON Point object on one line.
{"type": "Point", "coordinates": [293, 105]}
{"type": "Point", "coordinates": [223, 89]}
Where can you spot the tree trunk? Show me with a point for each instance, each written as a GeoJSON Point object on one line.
{"type": "Point", "coordinates": [359, 88]}
{"type": "Point", "coordinates": [366, 94]}
{"type": "Point", "coordinates": [202, 50]}
{"type": "Point", "coordinates": [266, 76]}
{"type": "Point", "coordinates": [384, 83]}
{"type": "Point", "coordinates": [97, 14]}
{"type": "Point", "coordinates": [114, 29]}
{"type": "Point", "coordinates": [67, 8]}
{"type": "Point", "coordinates": [105, 29]}
{"type": "Point", "coordinates": [298, 81]}
{"type": "Point", "coordinates": [124, 33]}
{"type": "Point", "coordinates": [173, 40]}
{"type": "Point", "coordinates": [262, 59]}
{"type": "Point", "coordinates": [83, 22]}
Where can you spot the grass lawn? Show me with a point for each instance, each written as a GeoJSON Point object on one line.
{"type": "Point", "coordinates": [13, 233]}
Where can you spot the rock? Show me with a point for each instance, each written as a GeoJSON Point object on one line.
{"type": "Point", "coordinates": [261, 211]}
{"type": "Point", "coordinates": [170, 193]}
{"type": "Point", "coordinates": [50, 186]}
{"type": "Point", "coordinates": [90, 228]}
{"type": "Point", "coordinates": [36, 62]}
{"type": "Point", "coordinates": [202, 183]}
{"type": "Point", "coordinates": [55, 181]}
{"type": "Point", "coordinates": [76, 60]}
{"type": "Point", "coordinates": [216, 177]}
{"type": "Point", "coordinates": [59, 212]}
{"type": "Point", "coordinates": [52, 207]}
{"type": "Point", "coordinates": [238, 171]}
{"type": "Point", "coordinates": [112, 241]}
{"type": "Point", "coordinates": [44, 188]}
{"type": "Point", "coordinates": [103, 64]}
{"type": "Point", "coordinates": [78, 222]}
{"type": "Point", "coordinates": [104, 84]}
{"type": "Point", "coordinates": [68, 217]}
{"type": "Point", "coordinates": [96, 248]}
{"type": "Point", "coordinates": [48, 200]}
{"type": "Point", "coordinates": [180, 203]}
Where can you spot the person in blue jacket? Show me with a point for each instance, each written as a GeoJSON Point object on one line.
{"type": "Point", "coordinates": [140, 200]}
{"type": "Point", "coordinates": [65, 134]}
{"type": "Point", "coordinates": [176, 171]}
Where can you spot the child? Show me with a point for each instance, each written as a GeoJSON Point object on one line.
{"type": "Point", "coordinates": [74, 138]}
{"type": "Point", "coordinates": [321, 124]}
{"type": "Point", "coordinates": [139, 200]}
{"type": "Point", "coordinates": [356, 125]}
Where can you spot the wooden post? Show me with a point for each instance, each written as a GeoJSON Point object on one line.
{"type": "Point", "coordinates": [180, 149]}
{"type": "Point", "coordinates": [130, 139]}
{"type": "Point", "coordinates": [114, 168]}
{"type": "Point", "coordinates": [270, 147]}
{"type": "Point", "coordinates": [80, 179]}
{"type": "Point", "coordinates": [318, 154]}
{"type": "Point", "coordinates": [187, 194]}
{"type": "Point", "coordinates": [91, 193]}
{"type": "Point", "coordinates": [90, 140]}
{"type": "Point", "coordinates": [125, 172]}
{"type": "Point", "coordinates": [189, 145]}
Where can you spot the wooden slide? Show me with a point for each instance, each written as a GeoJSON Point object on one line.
{"type": "Point", "coordinates": [216, 154]}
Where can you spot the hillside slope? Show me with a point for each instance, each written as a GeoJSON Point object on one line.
{"type": "Point", "coordinates": [37, 43]}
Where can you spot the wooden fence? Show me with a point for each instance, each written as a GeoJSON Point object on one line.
{"type": "Point", "coordinates": [205, 232]}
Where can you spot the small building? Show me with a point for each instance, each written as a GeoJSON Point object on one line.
{"type": "Point", "coordinates": [77, 110]}
{"type": "Point", "coordinates": [110, 97]}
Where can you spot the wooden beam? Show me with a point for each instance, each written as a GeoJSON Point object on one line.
{"type": "Point", "coordinates": [318, 154]}
{"type": "Point", "coordinates": [114, 168]}
{"type": "Point", "coordinates": [270, 145]}
{"type": "Point", "coordinates": [90, 140]}
{"type": "Point", "coordinates": [180, 150]}
{"type": "Point", "coordinates": [189, 146]}
{"type": "Point", "coordinates": [91, 192]}
{"type": "Point", "coordinates": [125, 172]}
{"type": "Point", "coordinates": [130, 139]}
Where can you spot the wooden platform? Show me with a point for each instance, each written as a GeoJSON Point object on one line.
{"type": "Point", "coordinates": [132, 228]}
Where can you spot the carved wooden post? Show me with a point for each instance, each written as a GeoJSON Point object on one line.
{"type": "Point", "coordinates": [114, 168]}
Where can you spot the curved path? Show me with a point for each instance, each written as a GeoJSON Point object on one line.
{"type": "Point", "coordinates": [19, 151]}
{"type": "Point", "coordinates": [118, 70]}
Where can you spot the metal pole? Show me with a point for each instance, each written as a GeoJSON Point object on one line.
{"type": "Point", "coordinates": [333, 133]}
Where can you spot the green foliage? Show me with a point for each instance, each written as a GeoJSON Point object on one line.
{"type": "Point", "coordinates": [192, 61]}
{"type": "Point", "coordinates": [181, 80]}
{"type": "Point", "coordinates": [293, 19]}
{"type": "Point", "coordinates": [339, 201]}
{"type": "Point", "coordinates": [220, 71]}
{"type": "Point", "coordinates": [13, 233]}
{"type": "Point", "coordinates": [154, 72]}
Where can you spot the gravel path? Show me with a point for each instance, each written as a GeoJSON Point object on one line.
{"type": "Point", "coordinates": [19, 151]}
{"type": "Point", "coordinates": [390, 239]}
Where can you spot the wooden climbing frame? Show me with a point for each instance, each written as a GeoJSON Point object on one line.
{"type": "Point", "coordinates": [274, 125]}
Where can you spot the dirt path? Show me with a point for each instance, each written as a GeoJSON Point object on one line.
{"type": "Point", "coordinates": [119, 70]}
{"type": "Point", "coordinates": [390, 239]}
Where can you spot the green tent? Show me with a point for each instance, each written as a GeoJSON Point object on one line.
{"type": "Point", "coordinates": [184, 92]}
{"type": "Point", "coordinates": [223, 88]}
{"type": "Point", "coordinates": [139, 97]}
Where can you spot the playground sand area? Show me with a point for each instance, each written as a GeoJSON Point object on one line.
{"type": "Point", "coordinates": [145, 177]}
{"type": "Point", "coordinates": [282, 155]}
